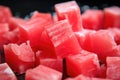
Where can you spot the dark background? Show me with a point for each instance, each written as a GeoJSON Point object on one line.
{"type": "Point", "coordinates": [24, 7]}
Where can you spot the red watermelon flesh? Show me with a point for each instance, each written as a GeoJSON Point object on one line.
{"type": "Point", "coordinates": [63, 39]}
{"type": "Point", "coordinates": [44, 54]}
{"type": "Point", "coordinates": [112, 17]}
{"type": "Point", "coordinates": [12, 36]}
{"type": "Point", "coordinates": [113, 68]}
{"type": "Point", "coordinates": [3, 41]}
{"type": "Point", "coordinates": [78, 64]}
{"type": "Point", "coordinates": [81, 35]}
{"type": "Point", "coordinates": [46, 16]}
{"type": "Point", "coordinates": [83, 77]}
{"type": "Point", "coordinates": [19, 57]}
{"type": "Point", "coordinates": [45, 42]}
{"type": "Point", "coordinates": [43, 73]}
{"type": "Point", "coordinates": [6, 72]}
{"type": "Point", "coordinates": [102, 44]}
{"type": "Point", "coordinates": [5, 14]}
{"type": "Point", "coordinates": [32, 30]}
{"type": "Point", "coordinates": [93, 19]}
{"type": "Point", "coordinates": [80, 77]}
{"type": "Point", "coordinates": [14, 22]}
{"type": "Point", "coordinates": [4, 27]}
{"type": "Point", "coordinates": [52, 63]}
{"type": "Point", "coordinates": [116, 33]}
{"type": "Point", "coordinates": [70, 11]}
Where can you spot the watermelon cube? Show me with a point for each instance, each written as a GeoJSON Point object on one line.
{"type": "Point", "coordinates": [5, 14]}
{"type": "Point", "coordinates": [85, 63]}
{"type": "Point", "coordinates": [79, 77]}
{"type": "Point", "coordinates": [83, 77]}
{"type": "Point", "coordinates": [14, 21]}
{"type": "Point", "coordinates": [12, 36]}
{"type": "Point", "coordinates": [112, 17]}
{"type": "Point", "coordinates": [116, 34]}
{"type": "Point", "coordinates": [82, 35]}
{"type": "Point", "coordinates": [45, 42]}
{"type": "Point", "coordinates": [19, 57]}
{"type": "Point", "coordinates": [56, 64]}
{"type": "Point", "coordinates": [46, 16]}
{"type": "Point", "coordinates": [32, 30]}
{"type": "Point", "coordinates": [92, 19]}
{"type": "Point", "coordinates": [6, 73]}
{"type": "Point", "coordinates": [113, 68]}
{"type": "Point", "coordinates": [70, 11]}
{"type": "Point", "coordinates": [63, 39]}
{"type": "Point", "coordinates": [101, 43]}
{"type": "Point", "coordinates": [4, 27]}
{"type": "Point", "coordinates": [43, 73]}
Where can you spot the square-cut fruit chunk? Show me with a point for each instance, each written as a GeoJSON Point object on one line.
{"type": "Point", "coordinates": [113, 68]}
{"type": "Point", "coordinates": [85, 63]}
{"type": "Point", "coordinates": [56, 64]}
{"type": "Point", "coordinates": [5, 14]}
{"type": "Point", "coordinates": [112, 17]}
{"type": "Point", "coordinates": [82, 77]}
{"type": "Point", "coordinates": [43, 73]}
{"type": "Point", "coordinates": [71, 11]}
{"type": "Point", "coordinates": [6, 73]}
{"type": "Point", "coordinates": [92, 19]}
{"type": "Point", "coordinates": [63, 39]}
{"type": "Point", "coordinates": [19, 57]}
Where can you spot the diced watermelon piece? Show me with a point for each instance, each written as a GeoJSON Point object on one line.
{"type": "Point", "coordinates": [113, 68]}
{"type": "Point", "coordinates": [116, 33]}
{"type": "Point", "coordinates": [6, 73]}
{"type": "Point", "coordinates": [81, 35]}
{"type": "Point", "coordinates": [52, 63]}
{"type": "Point", "coordinates": [5, 14]}
{"type": "Point", "coordinates": [93, 19]}
{"type": "Point", "coordinates": [71, 11]}
{"type": "Point", "coordinates": [99, 79]}
{"type": "Point", "coordinates": [8, 37]}
{"type": "Point", "coordinates": [14, 21]}
{"type": "Point", "coordinates": [46, 16]}
{"type": "Point", "coordinates": [3, 41]}
{"type": "Point", "coordinates": [45, 53]}
{"type": "Point", "coordinates": [85, 63]}
{"type": "Point", "coordinates": [102, 44]}
{"type": "Point", "coordinates": [32, 30]}
{"type": "Point", "coordinates": [43, 73]}
{"type": "Point", "coordinates": [19, 57]}
{"type": "Point", "coordinates": [12, 36]}
{"type": "Point", "coordinates": [82, 77]}
{"type": "Point", "coordinates": [4, 28]}
{"type": "Point", "coordinates": [45, 40]}
{"type": "Point", "coordinates": [112, 17]}
{"type": "Point", "coordinates": [63, 39]}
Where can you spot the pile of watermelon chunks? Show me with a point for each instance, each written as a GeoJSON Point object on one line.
{"type": "Point", "coordinates": [65, 46]}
